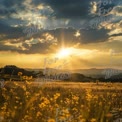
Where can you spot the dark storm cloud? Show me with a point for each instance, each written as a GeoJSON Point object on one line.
{"type": "Point", "coordinates": [7, 48]}
{"type": "Point", "coordinates": [10, 32]}
{"type": "Point", "coordinates": [42, 48]}
{"type": "Point", "coordinates": [70, 8]}
{"type": "Point", "coordinates": [94, 35]}
{"type": "Point", "coordinates": [7, 12]}
{"type": "Point", "coordinates": [68, 36]}
{"type": "Point", "coordinates": [119, 34]}
{"type": "Point", "coordinates": [73, 10]}
{"type": "Point", "coordinates": [67, 8]}
{"type": "Point", "coordinates": [65, 35]}
{"type": "Point", "coordinates": [12, 3]}
{"type": "Point", "coordinates": [9, 7]}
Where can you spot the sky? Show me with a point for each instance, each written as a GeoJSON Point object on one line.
{"type": "Point", "coordinates": [85, 33]}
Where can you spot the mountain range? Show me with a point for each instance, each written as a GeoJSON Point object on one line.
{"type": "Point", "coordinates": [79, 75]}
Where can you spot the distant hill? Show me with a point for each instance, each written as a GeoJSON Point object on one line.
{"type": "Point", "coordinates": [80, 78]}
{"type": "Point", "coordinates": [95, 73]}
{"type": "Point", "coordinates": [12, 71]}
{"type": "Point", "coordinates": [79, 75]}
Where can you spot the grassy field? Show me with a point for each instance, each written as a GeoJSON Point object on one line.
{"type": "Point", "coordinates": [60, 102]}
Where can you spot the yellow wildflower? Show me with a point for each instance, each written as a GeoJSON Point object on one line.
{"type": "Point", "coordinates": [93, 120]}
{"type": "Point", "coordinates": [51, 120]}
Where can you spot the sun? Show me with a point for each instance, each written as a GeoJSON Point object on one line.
{"type": "Point", "coordinates": [64, 52]}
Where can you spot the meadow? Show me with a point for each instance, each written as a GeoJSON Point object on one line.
{"type": "Point", "coordinates": [60, 102]}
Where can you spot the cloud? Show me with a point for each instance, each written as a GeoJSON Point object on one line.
{"type": "Point", "coordinates": [41, 42]}
{"type": "Point", "coordinates": [10, 32]}
{"type": "Point", "coordinates": [67, 9]}
{"type": "Point", "coordinates": [59, 23]}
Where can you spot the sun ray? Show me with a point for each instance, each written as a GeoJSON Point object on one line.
{"type": "Point", "coordinates": [64, 52]}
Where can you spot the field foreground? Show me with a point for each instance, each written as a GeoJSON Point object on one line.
{"type": "Point", "coordinates": [60, 102]}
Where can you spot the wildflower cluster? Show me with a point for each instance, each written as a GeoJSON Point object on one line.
{"type": "Point", "coordinates": [56, 103]}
